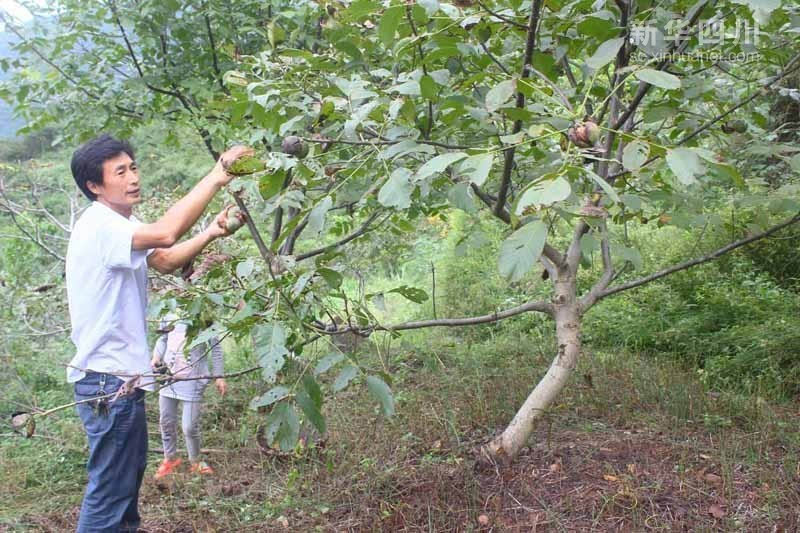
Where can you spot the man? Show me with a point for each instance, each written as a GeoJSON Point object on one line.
{"type": "Point", "coordinates": [106, 270]}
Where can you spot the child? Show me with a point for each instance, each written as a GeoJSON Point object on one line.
{"type": "Point", "coordinates": [169, 350]}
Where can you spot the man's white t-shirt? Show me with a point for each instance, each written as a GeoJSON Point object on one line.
{"type": "Point", "coordinates": [107, 294]}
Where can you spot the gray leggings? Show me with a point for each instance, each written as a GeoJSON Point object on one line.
{"type": "Point", "coordinates": [190, 423]}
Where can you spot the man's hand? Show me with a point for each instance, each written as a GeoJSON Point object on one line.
{"type": "Point", "coordinates": [222, 387]}
{"type": "Point", "coordinates": [220, 170]}
{"type": "Point", "coordinates": [228, 219]}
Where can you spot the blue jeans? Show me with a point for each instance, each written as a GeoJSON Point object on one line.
{"type": "Point", "coordinates": [117, 435]}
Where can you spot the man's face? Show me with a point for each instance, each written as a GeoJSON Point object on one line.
{"type": "Point", "coordinates": [120, 188]}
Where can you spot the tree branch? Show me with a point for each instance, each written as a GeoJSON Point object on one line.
{"type": "Point", "coordinates": [266, 254]}
{"type": "Point", "coordinates": [502, 17]}
{"type": "Point", "coordinates": [533, 24]}
{"type": "Point", "coordinates": [214, 53]}
{"type": "Point", "coordinates": [360, 231]}
{"type": "Point", "coordinates": [541, 306]}
{"type": "Point", "coordinates": [591, 297]}
{"type": "Point", "coordinates": [699, 260]}
{"type": "Point", "coordinates": [789, 69]}
{"type": "Point", "coordinates": [487, 199]}
{"type": "Point", "coordinates": [553, 255]}
{"type": "Point", "coordinates": [136, 64]}
{"type": "Point", "coordinates": [496, 61]}
{"type": "Point", "coordinates": [291, 240]}
{"type": "Point", "coordinates": [644, 87]}
{"type": "Point", "coordinates": [131, 113]}
{"type": "Point", "coordinates": [278, 222]}
{"type": "Point", "coordinates": [384, 142]}
{"type": "Point", "coordinates": [427, 133]}
{"type": "Point", "coordinates": [27, 234]}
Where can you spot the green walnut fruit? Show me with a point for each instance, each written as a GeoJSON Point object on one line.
{"type": "Point", "coordinates": [592, 131]}
{"type": "Point", "coordinates": [584, 134]}
{"type": "Point", "coordinates": [734, 126]}
{"type": "Point", "coordinates": [246, 165]}
{"type": "Point", "coordinates": [234, 220]}
{"type": "Point", "coordinates": [294, 145]}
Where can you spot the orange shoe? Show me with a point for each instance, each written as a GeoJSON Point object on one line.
{"type": "Point", "coordinates": [167, 467]}
{"type": "Point", "coordinates": [201, 468]}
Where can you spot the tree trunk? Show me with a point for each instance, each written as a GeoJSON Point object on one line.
{"type": "Point", "coordinates": [508, 444]}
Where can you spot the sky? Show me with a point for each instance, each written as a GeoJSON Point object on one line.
{"type": "Point", "coordinates": [15, 10]}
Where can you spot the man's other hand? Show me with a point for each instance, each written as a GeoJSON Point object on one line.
{"type": "Point", "coordinates": [226, 223]}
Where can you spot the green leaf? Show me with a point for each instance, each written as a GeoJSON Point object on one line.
{"type": "Point", "coordinates": [310, 401]}
{"type": "Point", "coordinates": [588, 244]}
{"type": "Point", "coordinates": [599, 28]}
{"type": "Point", "coordinates": [460, 196]}
{"type": "Point", "coordinates": [476, 168]}
{"type": "Point", "coordinates": [431, 6]}
{"type": "Point", "coordinates": [328, 362]}
{"type": "Point", "coordinates": [344, 378]}
{"type": "Point", "coordinates": [731, 173]}
{"type": "Point", "coordinates": [499, 94]}
{"type": "Point", "coordinates": [685, 163]}
{"type": "Point", "coordinates": [396, 192]}
{"type": "Point", "coordinates": [387, 27]}
{"type": "Point", "coordinates": [331, 277]}
{"type": "Point", "coordinates": [761, 9]}
{"type": "Point", "coordinates": [513, 138]}
{"type": "Point", "coordinates": [381, 391]}
{"type": "Point", "coordinates": [275, 34]}
{"type": "Point", "coordinates": [659, 78]}
{"type": "Point", "coordinates": [279, 427]}
{"type": "Point", "coordinates": [245, 268]}
{"type": "Point", "coordinates": [313, 389]}
{"type": "Point", "coordinates": [316, 219]}
{"type": "Point", "coordinates": [428, 88]}
{"type": "Point", "coordinates": [605, 53]}
{"type": "Point", "coordinates": [271, 184]}
{"type": "Point", "coordinates": [269, 341]}
{"type": "Point", "coordinates": [631, 201]}
{"type": "Point", "coordinates": [607, 188]}
{"type": "Point", "coordinates": [268, 398]}
{"type": "Point", "coordinates": [411, 293]}
{"type": "Point", "coordinates": [234, 77]}
{"type": "Point", "coordinates": [438, 164]}
{"type": "Point", "coordinates": [405, 147]}
{"type": "Point", "coordinates": [289, 429]}
{"type": "Point", "coordinates": [635, 154]}
{"type": "Point", "coordinates": [206, 335]}
{"type": "Point", "coordinates": [359, 9]}
{"type": "Point", "coordinates": [630, 255]}
{"type": "Point", "coordinates": [311, 411]}
{"type": "Point", "coordinates": [543, 193]}
{"type": "Point", "coordinates": [794, 163]}
{"type": "Point", "coordinates": [410, 88]}
{"type": "Point", "coordinates": [522, 249]}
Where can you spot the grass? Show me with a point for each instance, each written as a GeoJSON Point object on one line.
{"type": "Point", "coordinates": [633, 444]}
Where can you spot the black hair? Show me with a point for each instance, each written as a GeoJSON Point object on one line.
{"type": "Point", "coordinates": [87, 161]}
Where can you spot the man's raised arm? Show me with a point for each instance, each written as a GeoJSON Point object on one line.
{"type": "Point", "coordinates": [180, 217]}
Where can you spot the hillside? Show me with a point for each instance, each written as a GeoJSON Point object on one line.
{"type": "Point", "coordinates": [8, 123]}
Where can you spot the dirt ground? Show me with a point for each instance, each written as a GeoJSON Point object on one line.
{"type": "Point", "coordinates": [603, 480]}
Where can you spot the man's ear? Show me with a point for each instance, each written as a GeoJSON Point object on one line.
{"type": "Point", "coordinates": [93, 187]}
